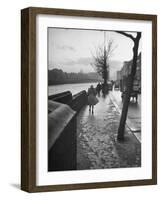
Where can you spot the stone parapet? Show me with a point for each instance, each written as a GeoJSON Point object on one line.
{"type": "Point", "coordinates": [61, 137]}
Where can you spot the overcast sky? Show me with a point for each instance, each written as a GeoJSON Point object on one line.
{"type": "Point", "coordinates": [71, 49]}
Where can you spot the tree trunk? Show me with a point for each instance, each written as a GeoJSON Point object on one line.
{"type": "Point", "coordinates": [126, 101]}
{"type": "Point", "coordinates": [105, 77]}
{"type": "Point", "coordinates": [105, 68]}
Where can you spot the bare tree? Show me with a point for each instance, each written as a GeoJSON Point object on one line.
{"type": "Point", "coordinates": [136, 40]}
{"type": "Point", "coordinates": [101, 59]}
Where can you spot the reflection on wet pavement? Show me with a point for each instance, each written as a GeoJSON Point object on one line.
{"type": "Point", "coordinates": [96, 133]}
{"type": "Point", "coordinates": [134, 110]}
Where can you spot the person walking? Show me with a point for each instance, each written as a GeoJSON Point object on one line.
{"type": "Point", "coordinates": [98, 89]}
{"type": "Point", "coordinates": [92, 100]}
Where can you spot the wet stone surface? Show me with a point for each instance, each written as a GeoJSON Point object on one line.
{"type": "Point", "coordinates": [97, 147]}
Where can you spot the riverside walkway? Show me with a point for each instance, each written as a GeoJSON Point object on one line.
{"type": "Point", "coordinates": [97, 146]}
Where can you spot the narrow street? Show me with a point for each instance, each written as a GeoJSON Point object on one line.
{"type": "Point", "coordinates": [97, 146]}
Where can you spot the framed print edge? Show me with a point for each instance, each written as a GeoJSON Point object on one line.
{"type": "Point", "coordinates": [154, 99]}
{"type": "Point", "coordinates": [28, 99]}
{"type": "Point", "coordinates": [24, 100]}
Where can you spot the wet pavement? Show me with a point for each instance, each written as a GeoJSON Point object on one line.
{"type": "Point", "coordinates": [97, 146]}
{"type": "Point", "coordinates": [134, 112]}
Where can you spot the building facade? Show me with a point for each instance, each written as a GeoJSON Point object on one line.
{"type": "Point", "coordinates": [124, 73]}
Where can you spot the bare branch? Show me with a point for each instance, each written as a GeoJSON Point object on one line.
{"type": "Point", "coordinates": [126, 34]}
{"type": "Point", "coordinates": [101, 58]}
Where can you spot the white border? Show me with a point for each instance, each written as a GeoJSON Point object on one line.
{"type": "Point", "coordinates": [86, 176]}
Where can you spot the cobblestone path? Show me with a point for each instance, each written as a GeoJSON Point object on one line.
{"type": "Point", "coordinates": [97, 147]}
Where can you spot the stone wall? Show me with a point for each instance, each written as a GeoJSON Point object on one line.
{"type": "Point", "coordinates": [61, 137]}
{"type": "Point", "coordinates": [64, 97]}
{"type": "Point", "coordinates": [62, 130]}
{"type": "Point", "coordinates": [76, 102]}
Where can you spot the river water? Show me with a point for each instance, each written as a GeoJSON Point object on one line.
{"type": "Point", "coordinates": [74, 88]}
